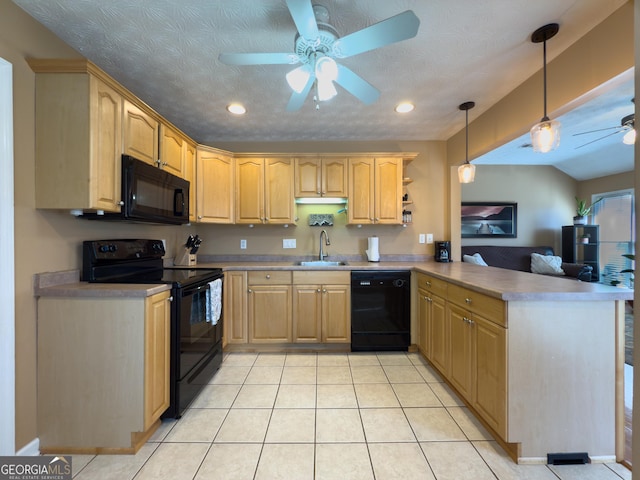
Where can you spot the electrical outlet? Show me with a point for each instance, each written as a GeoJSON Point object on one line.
{"type": "Point", "coordinates": [243, 244]}
{"type": "Point", "coordinates": [288, 243]}
{"type": "Point", "coordinates": [429, 237]}
{"type": "Point", "coordinates": [421, 238]}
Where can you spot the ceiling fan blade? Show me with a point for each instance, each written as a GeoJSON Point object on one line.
{"type": "Point", "coordinates": [597, 139]}
{"type": "Point", "coordinates": [394, 29]}
{"type": "Point", "coordinates": [357, 86]}
{"type": "Point", "coordinates": [304, 18]}
{"type": "Point", "coordinates": [297, 99]}
{"type": "Point", "coordinates": [259, 58]}
{"type": "Point", "coordinates": [598, 130]}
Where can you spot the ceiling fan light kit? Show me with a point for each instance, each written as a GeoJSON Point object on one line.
{"type": "Point", "coordinates": [317, 46]}
{"type": "Point", "coordinates": [466, 171]}
{"type": "Point", "coordinates": [545, 135]}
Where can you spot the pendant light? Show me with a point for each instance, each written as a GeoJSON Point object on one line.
{"type": "Point", "coordinates": [545, 136]}
{"type": "Point", "coordinates": [466, 171]}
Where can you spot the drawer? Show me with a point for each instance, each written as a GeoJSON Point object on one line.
{"type": "Point", "coordinates": [490, 308]}
{"type": "Point", "coordinates": [308, 277]}
{"type": "Point", "coordinates": [269, 277]}
{"type": "Point", "coordinates": [432, 285]}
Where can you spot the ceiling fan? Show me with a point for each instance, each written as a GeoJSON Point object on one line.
{"type": "Point", "coordinates": [317, 46]}
{"type": "Point", "coordinates": [627, 124]}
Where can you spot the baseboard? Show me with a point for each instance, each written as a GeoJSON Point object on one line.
{"type": "Point", "coordinates": [31, 449]}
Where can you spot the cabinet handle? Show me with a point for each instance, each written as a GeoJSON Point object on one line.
{"type": "Point", "coordinates": [158, 162]}
{"type": "Point", "coordinates": [465, 319]}
{"type": "Point", "coordinates": [318, 192]}
{"type": "Point", "coordinates": [318, 290]}
{"type": "Point", "coordinates": [267, 276]}
{"type": "Point", "coordinates": [120, 203]}
{"type": "Point", "coordinates": [249, 290]}
{"type": "Point", "coordinates": [467, 300]}
{"type": "Point", "coordinates": [170, 299]}
{"type": "Point", "coordinates": [164, 164]}
{"type": "Point", "coordinates": [428, 283]}
{"type": "Point", "coordinates": [324, 290]}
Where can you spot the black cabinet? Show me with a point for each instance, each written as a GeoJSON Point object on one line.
{"type": "Point", "coordinates": [580, 244]}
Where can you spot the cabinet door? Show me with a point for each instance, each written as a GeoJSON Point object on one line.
{"type": "Point", "coordinates": [235, 307]}
{"type": "Point", "coordinates": [334, 177]}
{"type": "Point", "coordinates": [307, 177]}
{"type": "Point", "coordinates": [269, 313]}
{"type": "Point", "coordinates": [157, 353]}
{"type": "Point", "coordinates": [336, 313]}
{"type": "Point", "coordinates": [491, 374]}
{"type": "Point", "coordinates": [307, 313]}
{"type": "Point", "coordinates": [361, 191]}
{"type": "Point", "coordinates": [388, 190]}
{"type": "Point", "coordinates": [461, 333]}
{"type": "Point", "coordinates": [171, 152]}
{"type": "Point", "coordinates": [278, 190]}
{"type": "Point", "coordinates": [140, 133]}
{"type": "Point", "coordinates": [249, 190]}
{"type": "Point", "coordinates": [215, 174]}
{"type": "Point", "coordinates": [189, 158]}
{"type": "Point", "coordinates": [106, 141]}
{"type": "Point", "coordinates": [439, 341]}
{"type": "Point", "coordinates": [424, 321]}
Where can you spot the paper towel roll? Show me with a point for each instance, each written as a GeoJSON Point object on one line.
{"type": "Point", "coordinates": [373, 254]}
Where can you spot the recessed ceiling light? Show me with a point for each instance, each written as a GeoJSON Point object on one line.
{"type": "Point", "coordinates": [236, 109]}
{"type": "Point", "coordinates": [404, 107]}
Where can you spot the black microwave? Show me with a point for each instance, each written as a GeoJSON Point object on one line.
{"type": "Point", "coordinates": [150, 194]}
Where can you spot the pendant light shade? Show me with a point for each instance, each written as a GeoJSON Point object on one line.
{"type": "Point", "coordinates": [545, 136]}
{"type": "Point", "coordinates": [466, 171]}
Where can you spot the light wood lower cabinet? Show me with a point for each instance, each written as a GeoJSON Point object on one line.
{"type": "Point", "coordinates": [321, 310]}
{"type": "Point", "coordinates": [463, 333]}
{"type": "Point", "coordinates": [284, 306]}
{"type": "Point", "coordinates": [103, 372]}
{"type": "Point", "coordinates": [269, 300]}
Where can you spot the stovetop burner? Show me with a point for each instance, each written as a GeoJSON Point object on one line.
{"type": "Point", "coordinates": [135, 261]}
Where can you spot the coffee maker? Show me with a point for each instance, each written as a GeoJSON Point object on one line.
{"type": "Point", "coordinates": [443, 252]}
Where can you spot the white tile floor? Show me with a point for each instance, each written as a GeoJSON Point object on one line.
{"type": "Point", "coordinates": [326, 417]}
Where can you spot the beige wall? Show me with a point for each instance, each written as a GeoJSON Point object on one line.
{"type": "Point", "coordinates": [544, 196]}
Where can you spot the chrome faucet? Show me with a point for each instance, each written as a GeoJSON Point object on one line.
{"type": "Point", "coordinates": [322, 255]}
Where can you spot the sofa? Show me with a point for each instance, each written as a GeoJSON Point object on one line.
{"type": "Point", "coordinates": [519, 258]}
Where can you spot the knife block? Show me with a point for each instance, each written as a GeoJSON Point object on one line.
{"type": "Point", "coordinates": [185, 258]}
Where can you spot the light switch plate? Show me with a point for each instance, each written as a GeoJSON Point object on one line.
{"type": "Point", "coordinates": [429, 237]}
{"type": "Point", "coordinates": [421, 238]}
{"type": "Point", "coordinates": [288, 243]}
{"type": "Point", "coordinates": [243, 244]}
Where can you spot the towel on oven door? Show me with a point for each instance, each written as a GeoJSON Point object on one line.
{"type": "Point", "coordinates": [214, 301]}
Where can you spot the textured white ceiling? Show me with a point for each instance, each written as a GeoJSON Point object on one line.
{"type": "Point", "coordinates": [166, 52]}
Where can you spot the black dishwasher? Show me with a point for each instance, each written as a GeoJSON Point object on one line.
{"type": "Point", "coordinates": [380, 310]}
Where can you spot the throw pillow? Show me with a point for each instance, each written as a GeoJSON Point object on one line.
{"type": "Point", "coordinates": [546, 264]}
{"type": "Point", "coordinates": [476, 259]}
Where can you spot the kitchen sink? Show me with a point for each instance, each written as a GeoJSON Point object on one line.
{"type": "Point", "coordinates": [320, 263]}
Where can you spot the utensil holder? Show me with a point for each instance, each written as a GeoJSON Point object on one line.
{"type": "Point", "coordinates": [185, 258]}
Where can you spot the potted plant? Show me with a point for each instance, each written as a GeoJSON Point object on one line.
{"type": "Point", "coordinates": [582, 211]}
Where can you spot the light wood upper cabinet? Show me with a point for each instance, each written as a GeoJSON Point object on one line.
{"type": "Point", "coordinates": [78, 142]}
{"type": "Point", "coordinates": [321, 177]}
{"type": "Point", "coordinates": [375, 190]}
{"type": "Point", "coordinates": [157, 353]}
{"type": "Point", "coordinates": [171, 155]}
{"type": "Point", "coordinates": [140, 134]}
{"type": "Point", "coordinates": [264, 190]}
{"type": "Point", "coordinates": [189, 156]}
{"type": "Point", "coordinates": [215, 186]}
